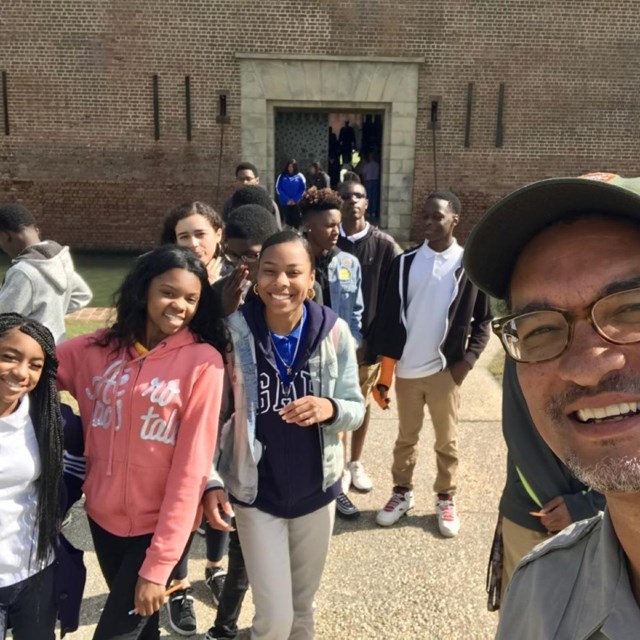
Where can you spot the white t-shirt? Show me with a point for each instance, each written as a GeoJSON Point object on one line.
{"type": "Point", "coordinates": [356, 236]}
{"type": "Point", "coordinates": [19, 470]}
{"type": "Point", "coordinates": [431, 290]}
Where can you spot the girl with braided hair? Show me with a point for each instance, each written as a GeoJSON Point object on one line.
{"type": "Point", "coordinates": [30, 477]}
{"type": "Point", "coordinates": [149, 390]}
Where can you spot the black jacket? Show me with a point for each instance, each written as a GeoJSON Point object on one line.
{"type": "Point", "coordinates": [469, 316]}
{"type": "Point", "coordinates": [376, 253]}
{"type": "Point", "coordinates": [541, 469]}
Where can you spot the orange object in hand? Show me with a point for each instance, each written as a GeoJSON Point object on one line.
{"type": "Point", "coordinates": [383, 383]}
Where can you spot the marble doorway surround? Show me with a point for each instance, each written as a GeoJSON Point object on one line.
{"type": "Point", "coordinates": [340, 83]}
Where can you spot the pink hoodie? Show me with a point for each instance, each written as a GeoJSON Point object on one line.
{"type": "Point", "coordinates": [150, 425]}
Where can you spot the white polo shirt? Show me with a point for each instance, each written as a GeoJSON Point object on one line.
{"type": "Point", "coordinates": [431, 290]}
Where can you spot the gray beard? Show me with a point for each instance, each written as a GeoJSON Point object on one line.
{"type": "Point", "coordinates": [608, 475]}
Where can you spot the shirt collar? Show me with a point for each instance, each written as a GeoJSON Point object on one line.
{"type": "Point", "coordinates": [453, 251]}
{"type": "Point", "coordinates": [358, 235]}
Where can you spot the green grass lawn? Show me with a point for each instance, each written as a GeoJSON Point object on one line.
{"type": "Point", "coordinates": [81, 327]}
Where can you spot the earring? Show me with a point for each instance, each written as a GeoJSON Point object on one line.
{"type": "Point", "coordinates": [311, 293]}
{"type": "Point", "coordinates": [255, 288]}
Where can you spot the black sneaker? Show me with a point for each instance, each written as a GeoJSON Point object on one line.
{"type": "Point", "coordinates": [182, 616]}
{"type": "Point", "coordinates": [345, 508]}
{"type": "Point", "coordinates": [214, 578]}
{"type": "Point", "coordinates": [216, 634]}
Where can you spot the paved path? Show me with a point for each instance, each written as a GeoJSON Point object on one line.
{"type": "Point", "coordinates": [405, 583]}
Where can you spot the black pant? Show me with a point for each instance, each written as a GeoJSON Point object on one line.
{"type": "Point", "coordinates": [120, 560]}
{"type": "Point", "coordinates": [216, 544]}
{"type": "Point", "coordinates": [292, 216]}
{"type": "Point", "coordinates": [235, 587]}
{"type": "Point", "coordinates": [29, 607]}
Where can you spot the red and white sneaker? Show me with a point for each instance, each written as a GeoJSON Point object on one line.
{"type": "Point", "coordinates": [398, 505]}
{"type": "Point", "coordinates": [448, 521]}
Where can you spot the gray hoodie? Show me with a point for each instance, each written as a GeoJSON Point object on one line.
{"type": "Point", "coordinates": [43, 285]}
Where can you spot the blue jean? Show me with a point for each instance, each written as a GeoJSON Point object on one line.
{"type": "Point", "coordinates": [29, 607]}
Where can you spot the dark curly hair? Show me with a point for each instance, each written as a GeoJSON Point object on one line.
{"type": "Point", "coordinates": [207, 325]}
{"type": "Point", "coordinates": [44, 410]}
{"type": "Point", "coordinates": [186, 210]}
{"type": "Point", "coordinates": [316, 200]}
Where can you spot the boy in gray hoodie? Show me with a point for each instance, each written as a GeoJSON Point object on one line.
{"type": "Point", "coordinates": [41, 282]}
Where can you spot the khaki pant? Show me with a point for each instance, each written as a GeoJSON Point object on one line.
{"type": "Point", "coordinates": [368, 374]}
{"type": "Point", "coordinates": [517, 543]}
{"type": "Point", "coordinates": [442, 397]}
{"type": "Point", "coordinates": [285, 559]}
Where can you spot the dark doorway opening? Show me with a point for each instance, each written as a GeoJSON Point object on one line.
{"type": "Point", "coordinates": [338, 141]}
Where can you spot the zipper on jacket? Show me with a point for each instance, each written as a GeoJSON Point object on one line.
{"type": "Point", "coordinates": [446, 324]}
{"type": "Point", "coordinates": [126, 461]}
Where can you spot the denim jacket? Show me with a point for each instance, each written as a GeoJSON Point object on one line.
{"type": "Point", "coordinates": [334, 374]}
{"type": "Point", "coordinates": [345, 289]}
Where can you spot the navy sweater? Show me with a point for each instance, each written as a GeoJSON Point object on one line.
{"type": "Point", "coordinates": [290, 470]}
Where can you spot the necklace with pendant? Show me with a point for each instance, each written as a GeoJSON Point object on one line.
{"type": "Point", "coordinates": [289, 365]}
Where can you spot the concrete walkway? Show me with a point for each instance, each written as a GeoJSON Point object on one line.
{"type": "Point", "coordinates": [405, 582]}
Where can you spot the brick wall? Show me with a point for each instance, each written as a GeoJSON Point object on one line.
{"type": "Point", "coordinates": [81, 150]}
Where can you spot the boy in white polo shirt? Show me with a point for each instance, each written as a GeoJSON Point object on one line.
{"type": "Point", "coordinates": [431, 326]}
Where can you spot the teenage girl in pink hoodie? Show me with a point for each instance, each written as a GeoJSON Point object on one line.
{"type": "Point", "coordinates": [149, 390]}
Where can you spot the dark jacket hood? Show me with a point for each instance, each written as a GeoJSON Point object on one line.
{"type": "Point", "coordinates": [52, 260]}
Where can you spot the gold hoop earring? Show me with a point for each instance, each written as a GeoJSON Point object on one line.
{"type": "Point", "coordinates": [255, 288]}
{"type": "Point", "coordinates": [311, 294]}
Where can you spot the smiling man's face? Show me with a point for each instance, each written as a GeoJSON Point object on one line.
{"type": "Point", "coordinates": [568, 267]}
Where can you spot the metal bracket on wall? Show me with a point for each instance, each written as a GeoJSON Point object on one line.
{"type": "Point", "coordinates": [187, 105]}
{"type": "Point", "coordinates": [223, 103]}
{"type": "Point", "coordinates": [435, 104]}
{"type": "Point", "coordinates": [5, 103]}
{"type": "Point", "coordinates": [467, 126]}
{"type": "Point", "coordinates": [156, 107]}
{"type": "Point", "coordinates": [500, 120]}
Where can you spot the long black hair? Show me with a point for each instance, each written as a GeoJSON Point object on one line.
{"type": "Point", "coordinates": [207, 325]}
{"type": "Point", "coordinates": [44, 410]}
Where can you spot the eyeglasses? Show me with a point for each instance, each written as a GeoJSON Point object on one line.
{"type": "Point", "coordinates": [350, 196]}
{"type": "Point", "coordinates": [543, 335]}
{"type": "Point", "coordinates": [248, 258]}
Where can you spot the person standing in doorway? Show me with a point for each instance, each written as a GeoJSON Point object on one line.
{"type": "Point", "coordinates": [375, 250]}
{"type": "Point", "coordinates": [431, 327]}
{"type": "Point", "coordinates": [370, 172]}
{"type": "Point", "coordinates": [290, 186]}
{"type": "Point", "coordinates": [347, 142]}
{"type": "Point", "coordinates": [334, 158]}
{"type": "Point", "coordinates": [247, 176]}
{"type": "Point", "coordinates": [317, 177]}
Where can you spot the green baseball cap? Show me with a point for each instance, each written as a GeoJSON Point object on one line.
{"type": "Point", "coordinates": [493, 247]}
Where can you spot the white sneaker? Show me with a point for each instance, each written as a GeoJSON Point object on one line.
{"type": "Point", "coordinates": [448, 521]}
{"type": "Point", "coordinates": [397, 506]}
{"type": "Point", "coordinates": [346, 480]}
{"type": "Point", "coordinates": [359, 478]}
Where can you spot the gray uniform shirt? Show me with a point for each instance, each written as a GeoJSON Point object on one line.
{"type": "Point", "coordinates": [575, 586]}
